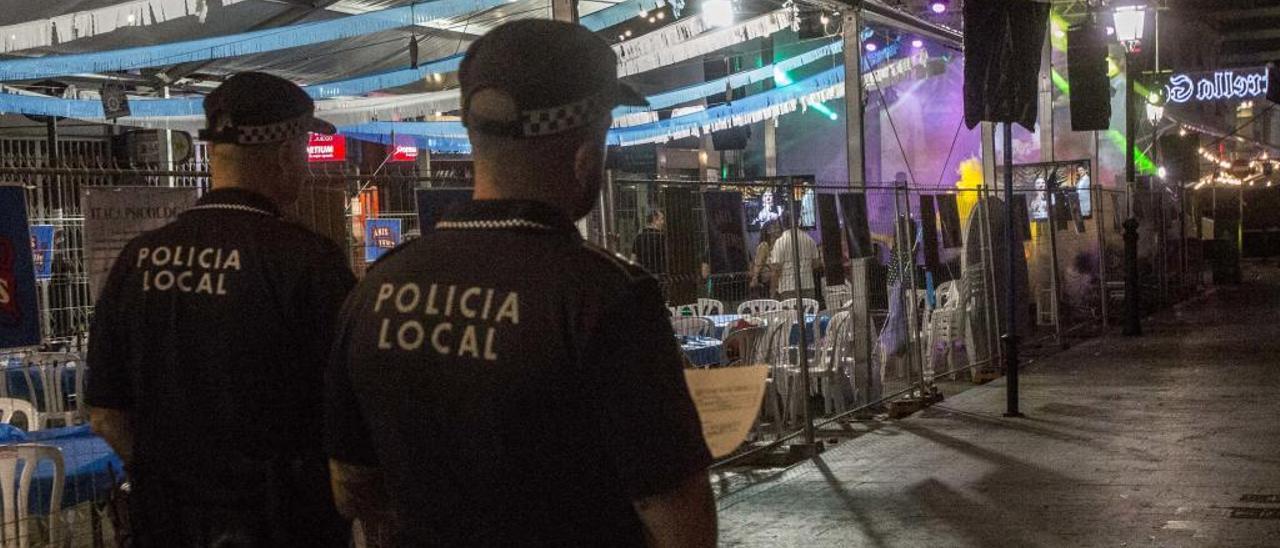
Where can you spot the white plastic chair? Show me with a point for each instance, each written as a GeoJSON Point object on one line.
{"type": "Point", "coordinates": [836, 295]}
{"type": "Point", "coordinates": [810, 306]}
{"type": "Point", "coordinates": [756, 307]}
{"type": "Point", "coordinates": [710, 307]}
{"type": "Point", "coordinates": [50, 369]}
{"type": "Point", "coordinates": [14, 406]}
{"type": "Point", "coordinates": [693, 326]}
{"type": "Point", "coordinates": [18, 464]}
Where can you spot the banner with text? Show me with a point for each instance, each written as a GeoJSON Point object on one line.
{"type": "Point", "coordinates": [19, 309]}
{"type": "Point", "coordinates": [42, 250]}
{"type": "Point", "coordinates": [380, 235]}
{"type": "Point", "coordinates": [116, 215]}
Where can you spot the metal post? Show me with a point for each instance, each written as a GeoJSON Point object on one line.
{"type": "Point", "coordinates": [166, 147]}
{"type": "Point", "coordinates": [854, 98]}
{"type": "Point", "coordinates": [564, 10]}
{"type": "Point", "coordinates": [1132, 324]}
{"type": "Point", "coordinates": [1010, 338]}
{"type": "Point", "coordinates": [802, 350]}
{"type": "Point", "coordinates": [1130, 123]}
{"type": "Point", "coordinates": [1052, 188]}
{"type": "Point", "coordinates": [1099, 218]}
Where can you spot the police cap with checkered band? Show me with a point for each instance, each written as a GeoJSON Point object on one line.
{"type": "Point", "coordinates": [538, 77]}
{"type": "Point", "coordinates": [256, 108]}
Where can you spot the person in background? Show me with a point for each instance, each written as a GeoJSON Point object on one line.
{"type": "Point", "coordinates": [782, 261]}
{"type": "Point", "coordinates": [209, 342]}
{"type": "Point", "coordinates": [650, 246]}
{"type": "Point", "coordinates": [761, 275]}
{"type": "Point", "coordinates": [500, 381]}
{"type": "Point", "coordinates": [1083, 191]}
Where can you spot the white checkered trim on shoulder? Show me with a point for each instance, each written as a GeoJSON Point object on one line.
{"type": "Point", "coordinates": [272, 133]}
{"type": "Point", "coordinates": [549, 121]}
{"type": "Point", "coordinates": [491, 225]}
{"type": "Point", "coordinates": [233, 207]}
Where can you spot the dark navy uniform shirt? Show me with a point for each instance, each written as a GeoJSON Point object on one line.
{"type": "Point", "coordinates": [516, 385]}
{"type": "Point", "coordinates": [213, 332]}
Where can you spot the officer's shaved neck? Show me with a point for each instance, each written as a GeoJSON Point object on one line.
{"type": "Point", "coordinates": [563, 171]}
{"type": "Point", "coordinates": [253, 168]}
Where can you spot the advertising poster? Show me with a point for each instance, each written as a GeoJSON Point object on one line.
{"type": "Point", "coordinates": [19, 309]}
{"type": "Point", "coordinates": [326, 148]}
{"type": "Point", "coordinates": [115, 215]}
{"type": "Point", "coordinates": [380, 235]}
{"type": "Point", "coordinates": [42, 250]}
{"type": "Point", "coordinates": [1073, 183]}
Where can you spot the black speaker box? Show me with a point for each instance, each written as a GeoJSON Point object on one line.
{"type": "Point", "coordinates": [731, 139]}
{"type": "Point", "coordinates": [1087, 75]}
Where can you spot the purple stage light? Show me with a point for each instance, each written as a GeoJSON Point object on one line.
{"type": "Point", "coordinates": [917, 43]}
{"type": "Point", "coordinates": [871, 46]}
{"type": "Point", "coordinates": [938, 7]}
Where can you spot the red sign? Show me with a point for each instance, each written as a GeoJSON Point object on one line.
{"type": "Point", "coordinates": [326, 148]}
{"type": "Point", "coordinates": [404, 150]}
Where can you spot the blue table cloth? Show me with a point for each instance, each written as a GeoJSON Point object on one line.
{"type": "Point", "coordinates": [702, 351]}
{"type": "Point", "coordinates": [87, 465]}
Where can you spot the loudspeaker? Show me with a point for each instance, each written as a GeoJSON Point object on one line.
{"type": "Point", "coordinates": [949, 212]}
{"type": "Point", "coordinates": [731, 139]}
{"type": "Point", "coordinates": [1273, 82]}
{"type": "Point", "coordinates": [1181, 157]}
{"type": "Point", "coordinates": [929, 224]}
{"type": "Point", "coordinates": [1087, 74]}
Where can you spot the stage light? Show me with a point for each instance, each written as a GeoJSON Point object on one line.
{"type": "Point", "coordinates": [917, 43]}
{"type": "Point", "coordinates": [938, 6]}
{"type": "Point", "coordinates": [653, 20]}
{"type": "Point", "coordinates": [1130, 22]}
{"type": "Point", "coordinates": [871, 46]}
{"type": "Point", "coordinates": [661, 15]}
{"type": "Point", "coordinates": [628, 33]}
{"type": "Point", "coordinates": [1160, 172]}
{"type": "Point", "coordinates": [1182, 132]}
{"type": "Point", "coordinates": [717, 13]}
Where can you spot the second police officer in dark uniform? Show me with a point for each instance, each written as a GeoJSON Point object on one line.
{"type": "Point", "coordinates": [499, 381]}
{"type": "Point", "coordinates": [209, 340]}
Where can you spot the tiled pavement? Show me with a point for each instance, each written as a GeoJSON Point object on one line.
{"type": "Point", "coordinates": [1172, 439]}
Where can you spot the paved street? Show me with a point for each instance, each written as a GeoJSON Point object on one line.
{"type": "Point", "coordinates": [1172, 439]}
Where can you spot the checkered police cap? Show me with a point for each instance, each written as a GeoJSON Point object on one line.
{"type": "Point", "coordinates": [255, 108]}
{"type": "Point", "coordinates": [550, 77]}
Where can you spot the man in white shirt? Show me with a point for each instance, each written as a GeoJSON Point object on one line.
{"type": "Point", "coordinates": [783, 261]}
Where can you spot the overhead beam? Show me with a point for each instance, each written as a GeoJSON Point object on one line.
{"type": "Point", "coordinates": [876, 11]}
{"type": "Point", "coordinates": [1253, 58]}
{"type": "Point", "coordinates": [1232, 15]}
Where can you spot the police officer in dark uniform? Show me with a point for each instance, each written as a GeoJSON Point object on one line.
{"type": "Point", "coordinates": [209, 339]}
{"type": "Point", "coordinates": [499, 381]}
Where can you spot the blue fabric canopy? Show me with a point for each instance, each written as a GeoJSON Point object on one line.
{"type": "Point", "coordinates": [260, 41]}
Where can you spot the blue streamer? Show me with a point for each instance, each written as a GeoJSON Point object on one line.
{"type": "Point", "coordinates": [451, 135]}
{"type": "Point", "coordinates": [247, 43]}
{"type": "Point", "coordinates": [617, 13]}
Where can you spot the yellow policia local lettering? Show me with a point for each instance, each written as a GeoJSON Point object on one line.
{"type": "Point", "coordinates": [478, 311]}
{"type": "Point", "coordinates": [187, 269]}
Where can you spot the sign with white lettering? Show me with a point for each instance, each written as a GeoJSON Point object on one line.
{"type": "Point", "coordinates": [115, 215]}
{"type": "Point", "coordinates": [326, 148]}
{"type": "Point", "coordinates": [380, 235]}
{"type": "Point", "coordinates": [19, 311]}
{"type": "Point", "coordinates": [1219, 85]}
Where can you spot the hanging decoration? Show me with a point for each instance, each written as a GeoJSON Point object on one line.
{"type": "Point", "coordinates": [689, 38]}
{"type": "Point", "coordinates": [73, 26]}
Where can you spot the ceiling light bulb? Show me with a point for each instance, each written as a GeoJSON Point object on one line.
{"type": "Point", "coordinates": [938, 7]}
{"type": "Point", "coordinates": [628, 33]}
{"type": "Point", "coordinates": [871, 46]}
{"type": "Point", "coordinates": [917, 43]}
{"type": "Point", "coordinates": [662, 15]}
